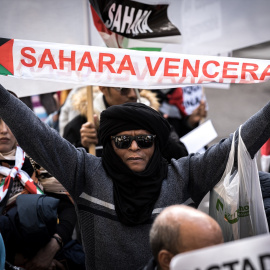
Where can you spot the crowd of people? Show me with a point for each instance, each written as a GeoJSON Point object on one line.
{"type": "Point", "coordinates": [132, 205]}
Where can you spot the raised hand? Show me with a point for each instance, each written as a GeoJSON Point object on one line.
{"type": "Point", "coordinates": [89, 133]}
{"type": "Point", "coordinates": [198, 114]}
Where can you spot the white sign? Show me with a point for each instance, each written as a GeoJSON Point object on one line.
{"type": "Point", "coordinates": [192, 96]}
{"type": "Point", "coordinates": [199, 137]}
{"type": "Point", "coordinates": [246, 254]}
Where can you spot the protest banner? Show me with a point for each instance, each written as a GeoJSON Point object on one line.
{"type": "Point", "coordinates": [90, 65]}
{"type": "Point", "coordinates": [246, 254]}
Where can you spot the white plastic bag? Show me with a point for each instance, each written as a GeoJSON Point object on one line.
{"type": "Point", "coordinates": [236, 201]}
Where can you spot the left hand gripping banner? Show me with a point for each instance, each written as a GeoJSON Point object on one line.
{"type": "Point", "coordinates": [103, 66]}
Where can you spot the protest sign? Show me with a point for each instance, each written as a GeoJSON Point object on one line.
{"type": "Point", "coordinates": [90, 65]}
{"type": "Point", "coordinates": [199, 137]}
{"type": "Point", "coordinates": [247, 254]}
{"type": "Point", "coordinates": [192, 96]}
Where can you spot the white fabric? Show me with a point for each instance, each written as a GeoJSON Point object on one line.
{"type": "Point", "coordinates": [129, 68]}
{"type": "Point", "coordinates": [24, 178]}
{"type": "Point", "coordinates": [265, 163]}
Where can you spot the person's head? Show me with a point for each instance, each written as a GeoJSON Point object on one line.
{"type": "Point", "coordinates": [134, 147]}
{"type": "Point", "coordinates": [7, 140]}
{"type": "Point", "coordinates": [118, 126]}
{"type": "Point", "coordinates": [117, 95]}
{"type": "Point", "coordinates": [179, 229]}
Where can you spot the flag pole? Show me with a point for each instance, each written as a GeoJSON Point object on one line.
{"type": "Point", "coordinates": [90, 116]}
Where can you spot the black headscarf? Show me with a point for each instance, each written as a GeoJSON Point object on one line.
{"type": "Point", "coordinates": [135, 193]}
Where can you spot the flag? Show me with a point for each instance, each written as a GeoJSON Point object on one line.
{"type": "Point", "coordinates": [133, 25]}
{"type": "Point", "coordinates": [6, 57]}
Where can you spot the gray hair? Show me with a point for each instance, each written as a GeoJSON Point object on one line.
{"type": "Point", "coordinates": [164, 235]}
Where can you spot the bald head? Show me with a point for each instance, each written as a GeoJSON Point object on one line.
{"type": "Point", "coordinates": [181, 228]}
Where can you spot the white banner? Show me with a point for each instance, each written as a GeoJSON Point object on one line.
{"type": "Point", "coordinates": [91, 65]}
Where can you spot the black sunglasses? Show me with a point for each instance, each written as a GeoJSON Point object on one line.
{"type": "Point", "coordinates": [124, 141]}
{"type": "Point", "coordinates": [124, 91]}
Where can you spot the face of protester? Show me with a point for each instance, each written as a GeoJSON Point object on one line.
{"type": "Point", "coordinates": [7, 139]}
{"type": "Point", "coordinates": [118, 96]}
{"type": "Point", "coordinates": [134, 157]}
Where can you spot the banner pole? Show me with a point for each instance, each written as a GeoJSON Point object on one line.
{"type": "Point", "coordinates": [203, 97]}
{"type": "Point", "coordinates": [90, 116]}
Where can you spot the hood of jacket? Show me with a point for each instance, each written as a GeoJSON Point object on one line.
{"type": "Point", "coordinates": [79, 100]}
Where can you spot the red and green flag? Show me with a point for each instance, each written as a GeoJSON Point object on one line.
{"type": "Point", "coordinates": [6, 57]}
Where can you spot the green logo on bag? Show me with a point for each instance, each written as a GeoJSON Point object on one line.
{"type": "Point", "coordinates": [231, 218]}
{"type": "Point", "coordinates": [242, 211]}
{"type": "Point", "coordinates": [219, 204]}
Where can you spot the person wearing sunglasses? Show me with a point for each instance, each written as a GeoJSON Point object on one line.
{"type": "Point", "coordinates": [117, 196]}
{"type": "Point", "coordinates": [82, 133]}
